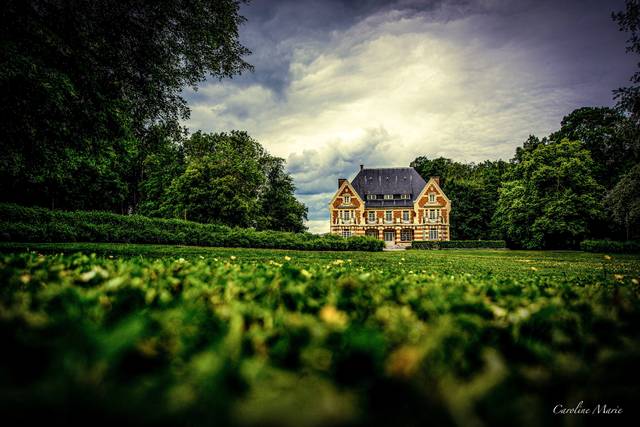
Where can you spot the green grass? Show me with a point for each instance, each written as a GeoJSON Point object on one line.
{"type": "Point", "coordinates": [494, 262]}
{"type": "Point", "coordinates": [209, 336]}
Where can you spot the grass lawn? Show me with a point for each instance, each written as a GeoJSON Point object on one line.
{"type": "Point", "coordinates": [203, 336]}
{"type": "Point", "coordinates": [495, 262]}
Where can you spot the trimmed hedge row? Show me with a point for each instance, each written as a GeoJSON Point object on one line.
{"type": "Point", "coordinates": [25, 224]}
{"type": "Point", "coordinates": [459, 244]}
{"type": "Point", "coordinates": [611, 246]}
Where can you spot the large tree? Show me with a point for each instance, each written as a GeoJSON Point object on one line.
{"type": "Point", "coordinates": [550, 198]}
{"type": "Point", "coordinates": [230, 179]}
{"type": "Point", "coordinates": [609, 136]}
{"type": "Point", "coordinates": [628, 21]}
{"type": "Point", "coordinates": [84, 83]}
{"type": "Point", "coordinates": [279, 209]}
{"type": "Point", "coordinates": [623, 203]}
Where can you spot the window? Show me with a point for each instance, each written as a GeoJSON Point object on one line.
{"type": "Point", "coordinates": [432, 197]}
{"type": "Point", "coordinates": [405, 196]}
{"type": "Point", "coordinates": [346, 214]}
{"type": "Point", "coordinates": [372, 216]}
{"type": "Point", "coordinates": [346, 233]}
{"type": "Point", "coordinates": [347, 199]}
{"type": "Point", "coordinates": [406, 235]}
{"type": "Point", "coordinates": [432, 214]}
{"type": "Point", "coordinates": [405, 215]}
{"type": "Point", "coordinates": [388, 216]}
{"type": "Point", "coordinates": [388, 196]}
{"type": "Point", "coordinates": [433, 234]}
{"type": "Point", "coordinates": [371, 196]}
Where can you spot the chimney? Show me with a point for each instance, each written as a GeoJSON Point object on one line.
{"type": "Point", "coordinates": [361, 167]}
{"type": "Point", "coordinates": [340, 181]}
{"type": "Point", "coordinates": [436, 179]}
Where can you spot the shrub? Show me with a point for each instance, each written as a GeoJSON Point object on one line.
{"type": "Point", "coordinates": [459, 244]}
{"type": "Point", "coordinates": [611, 246]}
{"type": "Point", "coordinates": [24, 224]}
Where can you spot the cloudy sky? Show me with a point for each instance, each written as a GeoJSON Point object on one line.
{"type": "Point", "coordinates": [342, 83]}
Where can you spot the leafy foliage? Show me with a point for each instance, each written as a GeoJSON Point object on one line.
{"type": "Point", "coordinates": [628, 21]}
{"type": "Point", "coordinates": [42, 225]}
{"type": "Point", "coordinates": [551, 198]}
{"type": "Point", "coordinates": [204, 341]}
{"type": "Point", "coordinates": [624, 203]}
{"type": "Point", "coordinates": [608, 135]}
{"type": "Point", "coordinates": [86, 85]}
{"type": "Point", "coordinates": [231, 179]}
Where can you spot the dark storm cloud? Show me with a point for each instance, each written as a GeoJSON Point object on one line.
{"type": "Point", "coordinates": [276, 27]}
{"type": "Point", "coordinates": [572, 36]}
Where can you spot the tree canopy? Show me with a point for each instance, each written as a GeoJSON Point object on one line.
{"type": "Point", "coordinates": [230, 179]}
{"type": "Point", "coordinates": [87, 85]}
{"type": "Point", "coordinates": [550, 198]}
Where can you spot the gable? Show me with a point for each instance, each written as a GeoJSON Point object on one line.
{"type": "Point", "coordinates": [346, 190]}
{"type": "Point", "coordinates": [432, 187]}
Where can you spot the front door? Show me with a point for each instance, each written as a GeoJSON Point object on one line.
{"type": "Point", "coordinates": [389, 236]}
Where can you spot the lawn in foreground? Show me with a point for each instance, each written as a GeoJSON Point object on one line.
{"type": "Point", "coordinates": [493, 262]}
{"type": "Point", "coordinates": [204, 336]}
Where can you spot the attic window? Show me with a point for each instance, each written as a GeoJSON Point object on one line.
{"type": "Point", "coordinates": [432, 197]}
{"type": "Point", "coordinates": [404, 196]}
{"type": "Point", "coordinates": [371, 196]}
{"type": "Point", "coordinates": [347, 199]}
{"type": "Point", "coordinates": [388, 196]}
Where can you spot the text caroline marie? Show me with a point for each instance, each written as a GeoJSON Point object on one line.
{"type": "Point", "coordinates": [580, 409]}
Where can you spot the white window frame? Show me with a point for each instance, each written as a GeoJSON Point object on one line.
{"type": "Point", "coordinates": [432, 197]}
{"type": "Point", "coordinates": [372, 216]}
{"type": "Point", "coordinates": [388, 216]}
{"type": "Point", "coordinates": [346, 233]}
{"type": "Point", "coordinates": [408, 217]}
{"type": "Point", "coordinates": [405, 196]}
{"type": "Point", "coordinates": [432, 214]}
{"type": "Point", "coordinates": [404, 232]}
{"type": "Point", "coordinates": [433, 234]}
{"type": "Point", "coordinates": [371, 196]}
{"type": "Point", "coordinates": [346, 199]}
{"type": "Point", "coordinates": [388, 197]}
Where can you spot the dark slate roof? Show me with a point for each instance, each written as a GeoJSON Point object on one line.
{"type": "Point", "coordinates": [388, 181]}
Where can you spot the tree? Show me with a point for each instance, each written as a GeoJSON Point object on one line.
{"type": "Point", "coordinates": [220, 182]}
{"type": "Point", "coordinates": [550, 198]}
{"type": "Point", "coordinates": [159, 168]}
{"type": "Point", "coordinates": [608, 135]}
{"type": "Point", "coordinates": [230, 179]}
{"type": "Point", "coordinates": [629, 21]}
{"type": "Point", "coordinates": [624, 203]}
{"type": "Point", "coordinates": [84, 83]}
{"type": "Point", "coordinates": [279, 209]}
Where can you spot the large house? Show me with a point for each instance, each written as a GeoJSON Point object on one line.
{"type": "Point", "coordinates": [392, 204]}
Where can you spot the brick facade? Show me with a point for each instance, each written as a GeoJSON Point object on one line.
{"type": "Point", "coordinates": [413, 209]}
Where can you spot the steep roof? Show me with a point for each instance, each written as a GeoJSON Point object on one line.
{"type": "Point", "coordinates": [388, 181]}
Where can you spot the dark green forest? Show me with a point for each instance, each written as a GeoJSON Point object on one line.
{"type": "Point", "coordinates": [92, 105]}
{"type": "Point", "coordinates": [93, 109]}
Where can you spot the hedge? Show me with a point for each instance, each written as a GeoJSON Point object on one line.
{"type": "Point", "coordinates": [611, 246]}
{"type": "Point", "coordinates": [459, 244]}
{"type": "Point", "coordinates": [26, 224]}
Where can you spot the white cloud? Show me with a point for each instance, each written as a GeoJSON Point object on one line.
{"type": "Point", "coordinates": [385, 91]}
